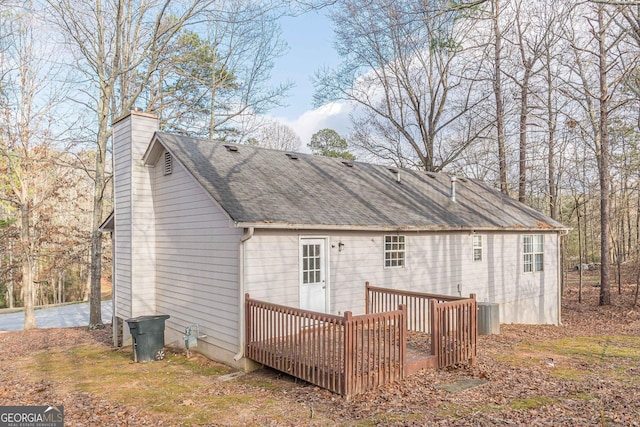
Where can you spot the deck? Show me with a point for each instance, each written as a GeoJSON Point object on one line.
{"type": "Point", "coordinates": [351, 354]}
{"type": "Point", "coordinates": [419, 354]}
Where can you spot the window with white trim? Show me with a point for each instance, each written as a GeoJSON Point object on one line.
{"type": "Point", "coordinates": [394, 251]}
{"type": "Point", "coordinates": [533, 249]}
{"type": "Point", "coordinates": [311, 263]}
{"type": "Point", "coordinates": [477, 247]}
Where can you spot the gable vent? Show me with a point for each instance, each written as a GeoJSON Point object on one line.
{"type": "Point", "coordinates": [168, 163]}
{"type": "Point", "coordinates": [231, 148]}
{"type": "Point", "coordinates": [347, 163]}
{"type": "Point", "coordinates": [292, 156]}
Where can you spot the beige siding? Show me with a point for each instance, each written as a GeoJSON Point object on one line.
{"type": "Point", "coordinates": [436, 263]}
{"type": "Point", "coordinates": [143, 221]}
{"type": "Point", "coordinates": [197, 262]}
{"type": "Point", "coordinates": [122, 207]}
{"type": "Point", "coordinates": [134, 222]}
{"type": "Point", "coordinates": [271, 267]}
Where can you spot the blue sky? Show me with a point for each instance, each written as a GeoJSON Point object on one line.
{"type": "Point", "coordinates": [309, 37]}
{"type": "Point", "coordinates": [310, 40]}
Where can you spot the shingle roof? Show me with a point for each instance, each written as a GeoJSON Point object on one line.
{"type": "Point", "coordinates": [261, 186]}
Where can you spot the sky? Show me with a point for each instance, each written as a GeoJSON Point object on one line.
{"type": "Point", "coordinates": [310, 41]}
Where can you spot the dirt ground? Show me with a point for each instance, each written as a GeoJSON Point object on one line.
{"type": "Point", "coordinates": [585, 372]}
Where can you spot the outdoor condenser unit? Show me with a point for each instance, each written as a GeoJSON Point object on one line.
{"type": "Point", "coordinates": [488, 318]}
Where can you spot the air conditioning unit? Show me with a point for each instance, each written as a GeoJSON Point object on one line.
{"type": "Point", "coordinates": [488, 318]}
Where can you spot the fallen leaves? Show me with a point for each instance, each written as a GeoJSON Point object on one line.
{"type": "Point", "coordinates": [582, 373]}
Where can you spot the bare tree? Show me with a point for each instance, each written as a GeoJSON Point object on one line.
{"type": "Point", "coordinates": [31, 172]}
{"type": "Point", "coordinates": [498, 94]}
{"type": "Point", "coordinates": [596, 73]}
{"type": "Point", "coordinates": [215, 80]}
{"type": "Point", "coordinates": [117, 46]}
{"type": "Point", "coordinates": [402, 65]}
{"type": "Point", "coordinates": [277, 136]}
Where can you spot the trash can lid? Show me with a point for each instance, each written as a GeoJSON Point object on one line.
{"type": "Point", "coordinates": [147, 318]}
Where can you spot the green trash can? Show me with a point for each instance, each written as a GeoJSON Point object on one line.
{"type": "Point", "coordinates": [147, 333]}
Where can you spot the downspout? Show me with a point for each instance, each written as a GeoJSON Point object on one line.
{"type": "Point", "coordinates": [248, 233]}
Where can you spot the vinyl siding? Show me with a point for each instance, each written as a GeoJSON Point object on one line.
{"type": "Point", "coordinates": [143, 221]}
{"type": "Point", "coordinates": [435, 263]}
{"type": "Point", "coordinates": [196, 260]}
{"type": "Point", "coordinates": [122, 207]}
{"type": "Point", "coordinates": [134, 219]}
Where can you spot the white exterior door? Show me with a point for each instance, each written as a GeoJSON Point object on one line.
{"type": "Point", "coordinates": [313, 274]}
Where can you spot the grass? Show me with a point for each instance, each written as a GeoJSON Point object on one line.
{"type": "Point", "coordinates": [531, 403]}
{"type": "Point", "coordinates": [183, 390]}
{"type": "Point", "coordinates": [589, 349]}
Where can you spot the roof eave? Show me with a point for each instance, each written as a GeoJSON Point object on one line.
{"type": "Point", "coordinates": [355, 227]}
{"type": "Point", "coordinates": [109, 223]}
{"type": "Point", "coordinates": [152, 154]}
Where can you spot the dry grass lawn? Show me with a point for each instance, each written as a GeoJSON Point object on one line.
{"type": "Point", "coordinates": [586, 372]}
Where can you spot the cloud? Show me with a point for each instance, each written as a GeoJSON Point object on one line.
{"type": "Point", "coordinates": [334, 115]}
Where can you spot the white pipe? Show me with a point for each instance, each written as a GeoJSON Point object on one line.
{"type": "Point", "coordinates": [245, 236]}
{"type": "Point", "coordinates": [453, 188]}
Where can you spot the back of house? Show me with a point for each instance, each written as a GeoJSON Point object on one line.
{"type": "Point", "coordinates": [199, 223]}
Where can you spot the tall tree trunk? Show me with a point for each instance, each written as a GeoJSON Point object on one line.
{"type": "Point", "coordinates": [603, 165]}
{"type": "Point", "coordinates": [524, 113]}
{"type": "Point", "coordinates": [497, 91]}
{"type": "Point", "coordinates": [581, 260]}
{"type": "Point", "coordinates": [10, 286]}
{"type": "Point", "coordinates": [95, 312]}
{"type": "Point", "coordinates": [27, 268]}
{"type": "Point", "coordinates": [551, 129]}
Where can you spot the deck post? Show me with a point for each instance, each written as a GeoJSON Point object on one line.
{"type": "Point", "coordinates": [367, 300]}
{"type": "Point", "coordinates": [349, 379]}
{"type": "Point", "coordinates": [435, 330]}
{"type": "Point", "coordinates": [403, 339]}
{"type": "Point", "coordinates": [473, 324]}
{"type": "Point", "coordinates": [247, 324]}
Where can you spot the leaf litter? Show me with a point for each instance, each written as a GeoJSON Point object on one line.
{"type": "Point", "coordinates": [585, 372]}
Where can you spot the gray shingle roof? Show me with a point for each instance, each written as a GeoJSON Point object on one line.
{"type": "Point", "coordinates": [261, 186]}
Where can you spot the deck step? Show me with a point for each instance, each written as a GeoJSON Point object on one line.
{"type": "Point", "coordinates": [426, 362]}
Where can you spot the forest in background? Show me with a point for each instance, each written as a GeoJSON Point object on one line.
{"type": "Point", "coordinates": [539, 98]}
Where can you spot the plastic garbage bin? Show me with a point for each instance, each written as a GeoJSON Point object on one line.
{"type": "Point", "coordinates": [147, 333]}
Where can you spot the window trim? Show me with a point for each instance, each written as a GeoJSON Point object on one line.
{"type": "Point", "coordinates": [400, 251]}
{"type": "Point", "coordinates": [475, 247]}
{"type": "Point", "coordinates": [533, 261]}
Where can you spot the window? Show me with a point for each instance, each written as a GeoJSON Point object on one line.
{"type": "Point", "coordinates": [477, 247]}
{"type": "Point", "coordinates": [394, 251]}
{"type": "Point", "coordinates": [311, 267]}
{"type": "Point", "coordinates": [533, 253]}
{"type": "Point", "coordinates": [168, 163]}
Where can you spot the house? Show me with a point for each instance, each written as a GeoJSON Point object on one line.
{"type": "Point", "coordinates": [199, 223]}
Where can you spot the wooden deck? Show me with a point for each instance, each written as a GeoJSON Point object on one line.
{"type": "Point", "coordinates": [352, 354]}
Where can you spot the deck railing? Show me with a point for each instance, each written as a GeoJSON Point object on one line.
{"type": "Point", "coordinates": [345, 354]}
{"type": "Point", "coordinates": [454, 331]}
{"type": "Point", "coordinates": [450, 321]}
